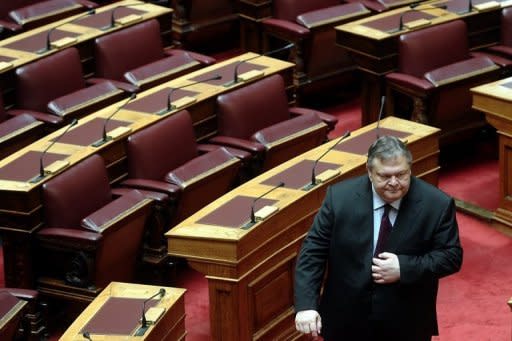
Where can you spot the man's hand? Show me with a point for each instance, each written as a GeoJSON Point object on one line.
{"type": "Point", "coordinates": [308, 321]}
{"type": "Point", "coordinates": [386, 268]}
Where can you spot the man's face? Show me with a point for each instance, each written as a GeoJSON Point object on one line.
{"type": "Point", "coordinates": [391, 178]}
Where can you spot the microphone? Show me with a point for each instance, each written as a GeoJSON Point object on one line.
{"type": "Point", "coordinates": [105, 138]}
{"type": "Point", "coordinates": [382, 100]}
{"type": "Point", "coordinates": [130, 18]}
{"type": "Point", "coordinates": [42, 172]}
{"type": "Point", "coordinates": [188, 99]}
{"type": "Point", "coordinates": [401, 22]}
{"type": "Point", "coordinates": [144, 323]}
{"type": "Point", "coordinates": [313, 182]}
{"type": "Point", "coordinates": [253, 216]}
{"type": "Point", "coordinates": [48, 46]}
{"type": "Point", "coordinates": [235, 74]}
{"type": "Point", "coordinates": [87, 335]}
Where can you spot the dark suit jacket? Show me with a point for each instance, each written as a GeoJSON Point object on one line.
{"type": "Point", "coordinates": [425, 238]}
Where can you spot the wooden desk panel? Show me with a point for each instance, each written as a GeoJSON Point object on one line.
{"type": "Point", "coordinates": [495, 100]}
{"type": "Point", "coordinates": [170, 326]}
{"type": "Point", "coordinates": [21, 48]}
{"type": "Point", "coordinates": [375, 51]}
{"type": "Point", "coordinates": [21, 207]}
{"type": "Point", "coordinates": [250, 271]}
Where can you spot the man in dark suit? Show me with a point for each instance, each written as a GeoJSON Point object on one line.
{"type": "Point", "coordinates": [378, 245]}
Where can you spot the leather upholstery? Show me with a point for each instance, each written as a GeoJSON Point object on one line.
{"type": "Point", "coordinates": [258, 114]}
{"type": "Point", "coordinates": [321, 64]}
{"type": "Point", "coordinates": [435, 72]}
{"type": "Point", "coordinates": [55, 84]}
{"type": "Point", "coordinates": [33, 13]}
{"type": "Point", "coordinates": [165, 157]}
{"type": "Point", "coordinates": [98, 237]}
{"type": "Point", "coordinates": [136, 55]}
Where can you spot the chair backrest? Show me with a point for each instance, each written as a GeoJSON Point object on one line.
{"type": "Point", "coordinates": [76, 193]}
{"type": "Point", "coordinates": [46, 79]}
{"type": "Point", "coordinates": [290, 9]}
{"type": "Point", "coordinates": [244, 111]}
{"type": "Point", "coordinates": [433, 47]}
{"type": "Point", "coordinates": [162, 147]}
{"type": "Point", "coordinates": [506, 26]}
{"type": "Point", "coordinates": [127, 49]}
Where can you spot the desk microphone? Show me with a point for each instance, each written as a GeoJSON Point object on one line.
{"type": "Point", "coordinates": [42, 173]}
{"type": "Point", "coordinates": [313, 176]}
{"type": "Point", "coordinates": [268, 53]}
{"type": "Point", "coordinates": [106, 138]}
{"type": "Point", "coordinates": [48, 46]}
{"type": "Point", "coordinates": [253, 216]}
{"type": "Point", "coordinates": [87, 335]}
{"type": "Point", "coordinates": [401, 22]}
{"type": "Point", "coordinates": [382, 101]}
{"type": "Point", "coordinates": [170, 106]}
{"type": "Point", "coordinates": [113, 18]}
{"type": "Point", "coordinates": [144, 323]}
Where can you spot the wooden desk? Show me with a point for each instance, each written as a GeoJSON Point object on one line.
{"type": "Point", "coordinates": [22, 48]}
{"type": "Point", "coordinates": [250, 271]}
{"type": "Point", "coordinates": [373, 41]}
{"type": "Point", "coordinates": [11, 314]}
{"type": "Point", "coordinates": [21, 206]}
{"type": "Point", "coordinates": [170, 326]}
{"type": "Point", "coordinates": [495, 100]}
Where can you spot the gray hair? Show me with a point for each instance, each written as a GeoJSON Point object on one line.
{"type": "Point", "coordinates": [387, 147]}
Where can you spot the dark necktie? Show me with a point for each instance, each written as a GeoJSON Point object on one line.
{"type": "Point", "coordinates": [384, 232]}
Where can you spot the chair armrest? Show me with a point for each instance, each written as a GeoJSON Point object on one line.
{"type": "Point", "coordinates": [10, 26]}
{"type": "Point", "coordinates": [404, 82]}
{"type": "Point", "coordinates": [107, 216]}
{"type": "Point", "coordinates": [333, 15]}
{"type": "Point", "coordinates": [83, 98]}
{"type": "Point", "coordinates": [234, 142]}
{"type": "Point", "coordinates": [502, 50]}
{"type": "Point", "coordinates": [17, 125]}
{"type": "Point", "coordinates": [41, 11]}
{"type": "Point", "coordinates": [285, 30]}
{"type": "Point", "coordinates": [153, 185]}
{"type": "Point", "coordinates": [203, 59]}
{"type": "Point", "coordinates": [498, 60]}
{"type": "Point", "coordinates": [461, 70]}
{"type": "Point", "coordinates": [241, 154]}
{"type": "Point", "coordinates": [118, 84]}
{"type": "Point", "coordinates": [162, 70]}
{"type": "Point", "coordinates": [202, 168]}
{"type": "Point", "coordinates": [24, 294]}
{"type": "Point", "coordinates": [153, 195]}
{"type": "Point", "coordinates": [328, 119]}
{"type": "Point", "coordinates": [87, 4]}
{"type": "Point", "coordinates": [40, 116]}
{"type": "Point", "coordinates": [290, 129]}
{"type": "Point", "coordinates": [69, 237]}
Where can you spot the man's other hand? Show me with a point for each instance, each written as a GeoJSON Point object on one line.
{"type": "Point", "coordinates": [308, 321]}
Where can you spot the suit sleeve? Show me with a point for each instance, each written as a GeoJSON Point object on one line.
{"type": "Point", "coordinates": [312, 258]}
{"type": "Point", "coordinates": [445, 255]}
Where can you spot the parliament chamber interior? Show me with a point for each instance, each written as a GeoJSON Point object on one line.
{"type": "Point", "coordinates": [140, 140]}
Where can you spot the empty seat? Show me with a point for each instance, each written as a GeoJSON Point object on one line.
{"type": "Point", "coordinates": [136, 55]}
{"type": "Point", "coordinates": [435, 72]}
{"type": "Point", "coordinates": [257, 118]}
{"type": "Point", "coordinates": [89, 238]}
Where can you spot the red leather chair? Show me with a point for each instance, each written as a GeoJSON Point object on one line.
{"type": "Point", "coordinates": [320, 64]}
{"type": "Point", "coordinates": [136, 55]}
{"type": "Point", "coordinates": [18, 131]}
{"type": "Point", "coordinates": [55, 85]}
{"type": "Point", "coordinates": [206, 26]}
{"type": "Point", "coordinates": [89, 238]}
{"type": "Point", "coordinates": [504, 48]}
{"type": "Point", "coordinates": [17, 15]}
{"type": "Point", "coordinates": [23, 315]}
{"type": "Point", "coordinates": [166, 158]}
{"type": "Point", "coordinates": [435, 72]}
{"type": "Point", "coordinates": [257, 119]}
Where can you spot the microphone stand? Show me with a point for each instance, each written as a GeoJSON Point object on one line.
{"type": "Point", "coordinates": [253, 216]}
{"type": "Point", "coordinates": [112, 16]}
{"type": "Point", "coordinates": [144, 323]}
